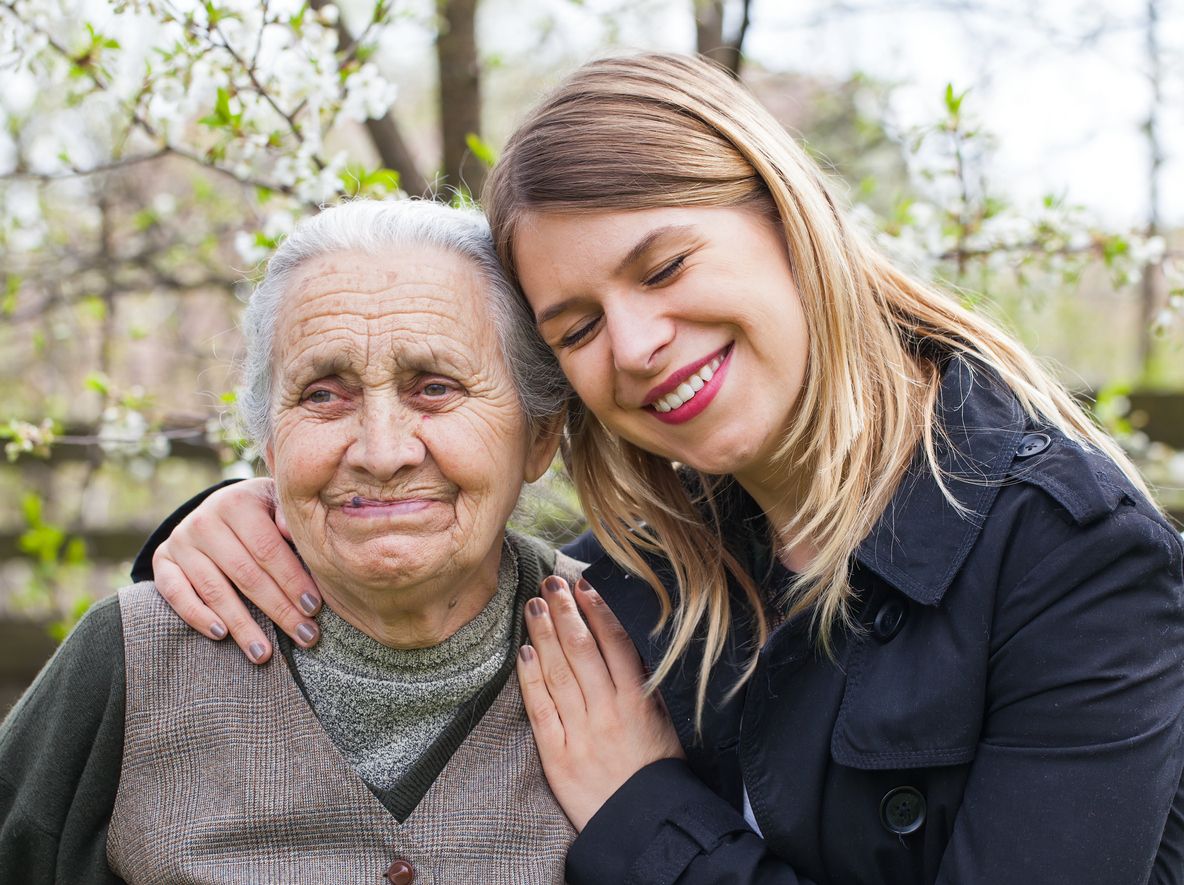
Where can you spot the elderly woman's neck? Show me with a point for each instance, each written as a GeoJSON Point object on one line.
{"type": "Point", "coordinates": [418, 615]}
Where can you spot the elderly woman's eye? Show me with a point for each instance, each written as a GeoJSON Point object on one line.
{"type": "Point", "coordinates": [435, 389]}
{"type": "Point", "coordinates": [319, 396]}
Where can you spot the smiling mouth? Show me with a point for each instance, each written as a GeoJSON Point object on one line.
{"type": "Point", "coordinates": [678, 391]}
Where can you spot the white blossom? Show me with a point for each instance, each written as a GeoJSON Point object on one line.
{"type": "Point", "coordinates": [248, 248]}
{"type": "Point", "coordinates": [368, 94]}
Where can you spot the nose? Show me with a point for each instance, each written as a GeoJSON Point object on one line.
{"type": "Point", "coordinates": [387, 438]}
{"type": "Point", "coordinates": [638, 330]}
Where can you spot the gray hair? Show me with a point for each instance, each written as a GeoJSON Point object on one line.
{"type": "Point", "coordinates": [384, 228]}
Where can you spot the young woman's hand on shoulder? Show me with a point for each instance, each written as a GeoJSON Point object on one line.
{"type": "Point", "coordinates": [583, 685]}
{"type": "Point", "coordinates": [230, 544]}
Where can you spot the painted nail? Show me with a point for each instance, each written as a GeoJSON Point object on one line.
{"type": "Point", "coordinates": [309, 603]}
{"type": "Point", "coordinates": [583, 586]}
{"type": "Point", "coordinates": [526, 653]}
{"type": "Point", "coordinates": [218, 630]}
{"type": "Point", "coordinates": [255, 651]}
{"type": "Point", "coordinates": [554, 584]}
{"type": "Point", "coordinates": [537, 607]}
{"type": "Point", "coordinates": [307, 633]}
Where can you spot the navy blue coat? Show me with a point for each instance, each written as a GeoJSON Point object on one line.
{"type": "Point", "coordinates": [1009, 712]}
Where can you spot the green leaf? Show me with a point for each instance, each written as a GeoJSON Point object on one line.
{"type": "Point", "coordinates": [94, 307]}
{"type": "Point", "coordinates": [75, 553]}
{"type": "Point", "coordinates": [31, 509]}
{"type": "Point", "coordinates": [144, 219]}
{"type": "Point", "coordinates": [12, 287]}
{"type": "Point", "coordinates": [954, 100]}
{"type": "Point", "coordinates": [480, 149]}
{"type": "Point", "coordinates": [1113, 248]}
{"type": "Point", "coordinates": [99, 383]}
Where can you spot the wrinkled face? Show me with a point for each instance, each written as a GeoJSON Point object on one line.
{"type": "Point", "coordinates": [399, 447]}
{"type": "Point", "coordinates": [680, 328]}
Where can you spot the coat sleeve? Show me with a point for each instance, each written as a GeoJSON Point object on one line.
{"type": "Point", "coordinates": [665, 826]}
{"type": "Point", "coordinates": [61, 748]}
{"type": "Point", "coordinates": [1078, 768]}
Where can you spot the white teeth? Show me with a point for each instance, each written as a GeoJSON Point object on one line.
{"type": "Point", "coordinates": [687, 390]}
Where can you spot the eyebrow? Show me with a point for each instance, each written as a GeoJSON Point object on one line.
{"type": "Point", "coordinates": [639, 249]}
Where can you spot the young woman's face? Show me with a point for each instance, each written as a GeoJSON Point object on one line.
{"type": "Point", "coordinates": [680, 328]}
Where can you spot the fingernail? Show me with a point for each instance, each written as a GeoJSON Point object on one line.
{"type": "Point", "coordinates": [553, 584]}
{"type": "Point", "coordinates": [308, 603]}
{"type": "Point", "coordinates": [307, 633]}
{"type": "Point", "coordinates": [218, 630]}
{"type": "Point", "coordinates": [583, 586]}
{"type": "Point", "coordinates": [537, 607]}
{"type": "Point", "coordinates": [255, 651]}
{"type": "Point", "coordinates": [526, 653]}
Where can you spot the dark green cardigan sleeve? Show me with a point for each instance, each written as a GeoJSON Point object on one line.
{"type": "Point", "coordinates": [61, 749]}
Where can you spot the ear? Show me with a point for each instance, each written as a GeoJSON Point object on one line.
{"type": "Point", "coordinates": [269, 458]}
{"type": "Point", "coordinates": [544, 445]}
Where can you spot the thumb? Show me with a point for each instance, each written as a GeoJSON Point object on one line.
{"type": "Point", "coordinates": [282, 524]}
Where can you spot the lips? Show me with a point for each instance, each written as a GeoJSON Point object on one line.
{"type": "Point", "coordinates": [689, 390]}
{"type": "Point", "coordinates": [684, 376]}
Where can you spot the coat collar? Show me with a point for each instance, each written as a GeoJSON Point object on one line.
{"type": "Point", "coordinates": [921, 541]}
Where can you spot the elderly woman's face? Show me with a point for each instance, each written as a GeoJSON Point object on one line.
{"type": "Point", "coordinates": [400, 446]}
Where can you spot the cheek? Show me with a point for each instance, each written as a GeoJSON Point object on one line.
{"type": "Point", "coordinates": [306, 458]}
{"type": "Point", "coordinates": [590, 373]}
{"type": "Point", "coordinates": [483, 458]}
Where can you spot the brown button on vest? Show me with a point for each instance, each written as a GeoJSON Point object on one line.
{"type": "Point", "coordinates": [228, 777]}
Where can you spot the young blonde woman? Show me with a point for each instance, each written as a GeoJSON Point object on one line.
{"type": "Point", "coordinates": [913, 617]}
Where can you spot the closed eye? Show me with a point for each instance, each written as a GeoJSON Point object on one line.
{"type": "Point", "coordinates": [574, 337]}
{"type": "Point", "coordinates": [667, 272]}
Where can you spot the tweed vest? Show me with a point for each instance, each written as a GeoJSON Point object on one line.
{"type": "Point", "coordinates": [229, 777]}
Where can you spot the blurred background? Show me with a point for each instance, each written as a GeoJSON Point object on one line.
{"type": "Point", "coordinates": [1030, 157]}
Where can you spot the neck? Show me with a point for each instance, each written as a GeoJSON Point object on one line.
{"type": "Point", "coordinates": [778, 491]}
{"type": "Point", "coordinates": [420, 615]}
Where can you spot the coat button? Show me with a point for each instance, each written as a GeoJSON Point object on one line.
{"type": "Point", "coordinates": [401, 872]}
{"type": "Point", "coordinates": [889, 619]}
{"type": "Point", "coordinates": [1033, 444]}
{"type": "Point", "coordinates": [902, 811]}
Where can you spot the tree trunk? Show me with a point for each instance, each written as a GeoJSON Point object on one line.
{"type": "Point", "coordinates": [710, 39]}
{"type": "Point", "coordinates": [460, 94]}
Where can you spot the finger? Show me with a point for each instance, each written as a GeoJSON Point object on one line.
{"type": "Point", "coordinates": [540, 709]}
{"type": "Point", "coordinates": [172, 584]}
{"type": "Point", "coordinates": [561, 682]}
{"type": "Point", "coordinates": [579, 645]}
{"type": "Point", "coordinates": [263, 551]}
{"type": "Point", "coordinates": [620, 655]}
{"type": "Point", "coordinates": [217, 593]}
{"type": "Point", "coordinates": [236, 559]}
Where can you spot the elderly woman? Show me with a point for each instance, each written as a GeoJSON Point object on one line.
{"type": "Point", "coordinates": [399, 407]}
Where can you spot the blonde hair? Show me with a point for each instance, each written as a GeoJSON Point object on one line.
{"type": "Point", "coordinates": [658, 130]}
